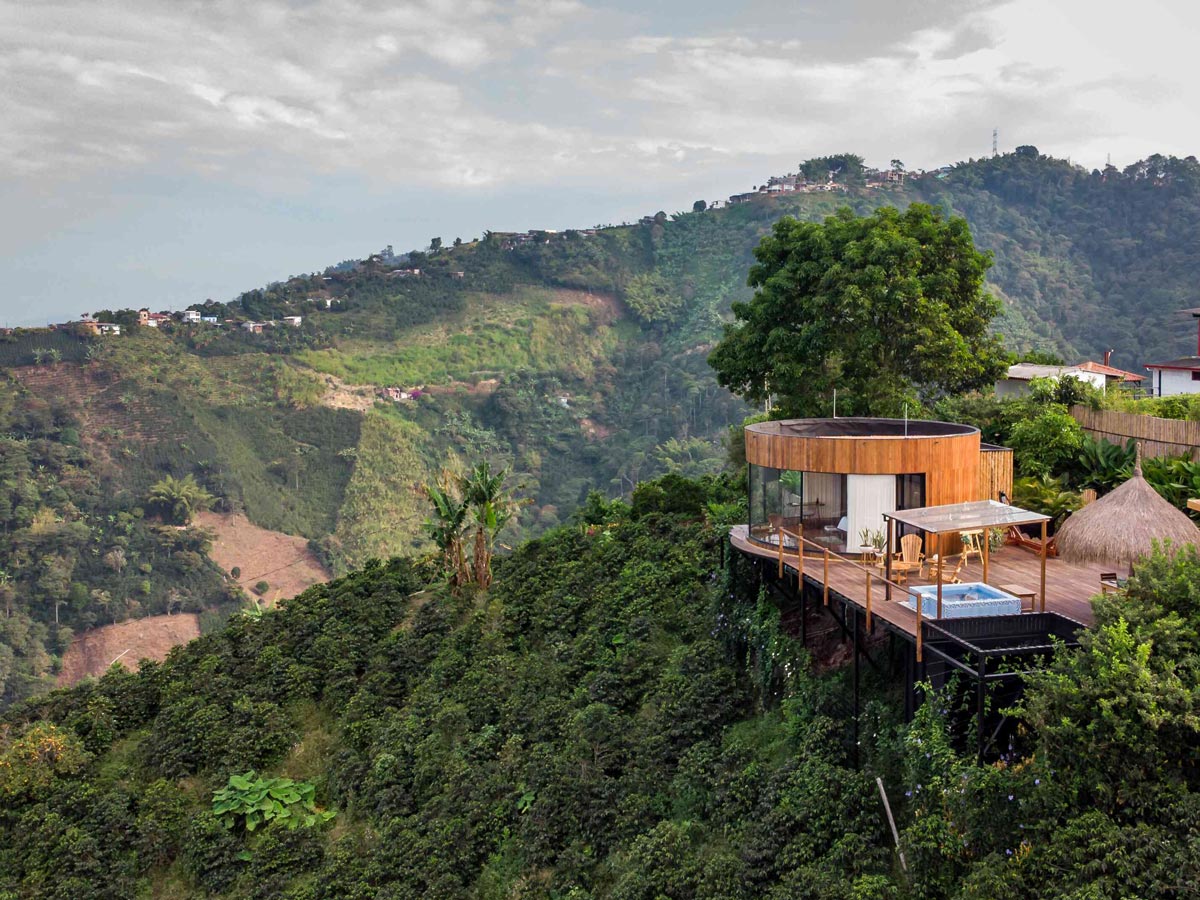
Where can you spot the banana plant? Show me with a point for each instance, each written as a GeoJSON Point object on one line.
{"type": "Point", "coordinates": [1047, 495]}
{"type": "Point", "coordinates": [1103, 465]}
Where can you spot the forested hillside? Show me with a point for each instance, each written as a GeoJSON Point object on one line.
{"type": "Point", "coordinates": [579, 360]}
{"type": "Point", "coordinates": [619, 717]}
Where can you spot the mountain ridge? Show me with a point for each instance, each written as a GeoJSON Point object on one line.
{"type": "Point", "coordinates": [577, 359]}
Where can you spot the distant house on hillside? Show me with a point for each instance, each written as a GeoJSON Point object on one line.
{"type": "Point", "coordinates": [209, 320]}
{"type": "Point", "coordinates": [1113, 377]}
{"type": "Point", "coordinates": [1015, 383]}
{"type": "Point", "coordinates": [253, 327]}
{"type": "Point", "coordinates": [294, 321]}
{"type": "Point", "coordinates": [108, 328]}
{"type": "Point", "coordinates": [148, 319]}
{"type": "Point", "coordinates": [1178, 376]}
{"type": "Point", "coordinates": [190, 316]}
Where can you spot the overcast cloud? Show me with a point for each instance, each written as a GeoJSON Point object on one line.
{"type": "Point", "coordinates": [162, 151]}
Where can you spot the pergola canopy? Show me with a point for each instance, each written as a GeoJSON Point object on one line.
{"type": "Point", "coordinates": [966, 516]}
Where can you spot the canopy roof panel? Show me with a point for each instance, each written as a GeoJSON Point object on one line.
{"type": "Point", "coordinates": [966, 516]}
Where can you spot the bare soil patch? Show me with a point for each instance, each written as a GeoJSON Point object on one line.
{"type": "Point", "coordinates": [281, 560]}
{"type": "Point", "coordinates": [128, 643]}
{"type": "Point", "coordinates": [607, 304]}
{"type": "Point", "coordinates": [340, 395]}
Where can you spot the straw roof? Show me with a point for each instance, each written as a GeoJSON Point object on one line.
{"type": "Point", "coordinates": [1122, 525]}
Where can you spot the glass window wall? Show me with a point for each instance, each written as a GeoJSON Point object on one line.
{"type": "Point", "coordinates": [813, 501]}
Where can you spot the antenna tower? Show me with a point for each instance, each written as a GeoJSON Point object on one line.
{"type": "Point", "coordinates": [995, 142]}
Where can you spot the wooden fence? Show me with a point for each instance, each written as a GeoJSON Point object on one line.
{"type": "Point", "coordinates": [995, 472]}
{"type": "Point", "coordinates": [1158, 437]}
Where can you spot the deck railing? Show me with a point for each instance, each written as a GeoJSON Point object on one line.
{"type": "Point", "coordinates": [826, 555]}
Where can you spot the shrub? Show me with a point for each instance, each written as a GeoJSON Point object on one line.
{"type": "Point", "coordinates": [252, 801]}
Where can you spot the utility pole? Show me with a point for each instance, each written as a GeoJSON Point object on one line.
{"type": "Point", "coordinates": [995, 142]}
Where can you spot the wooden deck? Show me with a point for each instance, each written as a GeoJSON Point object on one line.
{"type": "Point", "coordinates": [1069, 587]}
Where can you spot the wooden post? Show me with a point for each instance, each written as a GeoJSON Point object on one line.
{"type": "Point", "coordinates": [800, 558]}
{"type": "Point", "coordinates": [826, 576]}
{"type": "Point", "coordinates": [781, 534]}
{"type": "Point", "coordinates": [920, 629]}
{"type": "Point", "coordinates": [987, 535]}
{"type": "Point", "coordinates": [1043, 565]}
{"type": "Point", "coordinates": [887, 559]}
{"type": "Point", "coordinates": [941, 559]}
{"type": "Point", "coordinates": [868, 599]}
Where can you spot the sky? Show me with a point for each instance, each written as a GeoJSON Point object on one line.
{"type": "Point", "coordinates": [162, 152]}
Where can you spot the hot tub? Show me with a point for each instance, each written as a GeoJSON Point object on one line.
{"type": "Point", "coordinates": [961, 600]}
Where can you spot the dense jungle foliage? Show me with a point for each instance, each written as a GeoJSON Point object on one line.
{"type": "Point", "coordinates": [618, 717]}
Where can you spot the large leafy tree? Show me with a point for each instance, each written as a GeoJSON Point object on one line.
{"type": "Point", "coordinates": [886, 309]}
{"type": "Point", "coordinates": [178, 499]}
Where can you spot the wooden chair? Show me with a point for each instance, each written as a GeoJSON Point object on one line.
{"type": "Point", "coordinates": [956, 575]}
{"type": "Point", "coordinates": [910, 558]}
{"type": "Point", "coordinates": [1109, 583]}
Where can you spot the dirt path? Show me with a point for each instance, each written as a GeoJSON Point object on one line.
{"type": "Point", "coordinates": [281, 560]}
{"type": "Point", "coordinates": [92, 652]}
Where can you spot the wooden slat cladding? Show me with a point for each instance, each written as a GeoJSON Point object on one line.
{"type": "Point", "coordinates": [950, 463]}
{"type": "Point", "coordinates": [995, 473]}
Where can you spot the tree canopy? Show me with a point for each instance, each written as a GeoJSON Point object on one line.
{"type": "Point", "coordinates": [886, 308]}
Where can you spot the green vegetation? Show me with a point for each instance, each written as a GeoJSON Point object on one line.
{"type": "Point", "coordinates": [1054, 458]}
{"type": "Point", "coordinates": [382, 511]}
{"type": "Point", "coordinates": [251, 801]}
{"type": "Point", "coordinates": [614, 718]}
{"type": "Point", "coordinates": [1182, 406]}
{"type": "Point", "coordinates": [469, 508]}
{"type": "Point", "coordinates": [576, 360]}
{"type": "Point", "coordinates": [177, 499]}
{"type": "Point", "coordinates": [887, 310]}
{"type": "Point", "coordinates": [77, 550]}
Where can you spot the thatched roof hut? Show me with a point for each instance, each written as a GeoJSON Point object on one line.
{"type": "Point", "coordinates": [1122, 525]}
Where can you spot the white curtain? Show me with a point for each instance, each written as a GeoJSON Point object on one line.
{"type": "Point", "coordinates": [823, 499]}
{"type": "Point", "coordinates": [870, 496]}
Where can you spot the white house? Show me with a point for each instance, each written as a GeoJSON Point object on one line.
{"type": "Point", "coordinates": [1015, 383]}
{"type": "Point", "coordinates": [294, 321]}
{"type": "Point", "coordinates": [209, 320]}
{"type": "Point", "coordinates": [1176, 376]}
{"type": "Point", "coordinates": [191, 316]}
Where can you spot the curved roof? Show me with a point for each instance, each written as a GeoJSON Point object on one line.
{"type": "Point", "coordinates": [860, 427]}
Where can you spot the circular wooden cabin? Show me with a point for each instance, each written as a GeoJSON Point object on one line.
{"type": "Point", "coordinates": [835, 478]}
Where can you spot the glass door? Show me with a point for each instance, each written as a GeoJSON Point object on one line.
{"type": "Point", "coordinates": [910, 494]}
